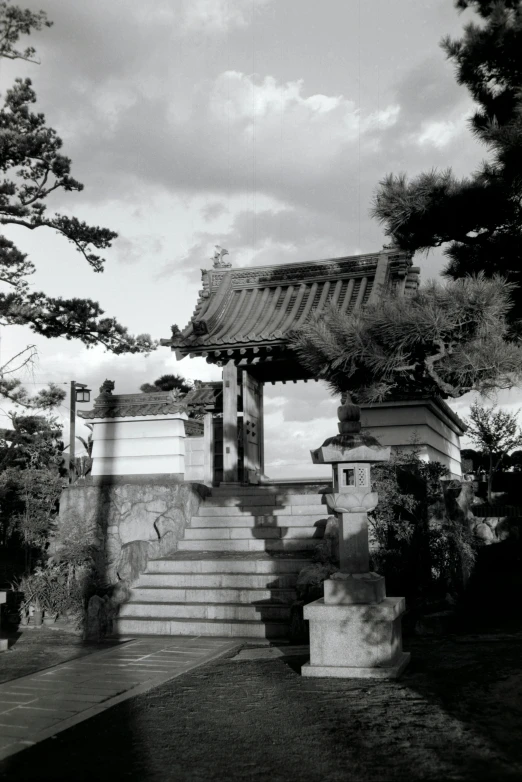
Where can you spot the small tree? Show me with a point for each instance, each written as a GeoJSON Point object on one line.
{"type": "Point", "coordinates": [167, 383]}
{"type": "Point", "coordinates": [495, 432]}
{"type": "Point", "coordinates": [34, 441]}
{"type": "Point", "coordinates": [83, 464]}
{"type": "Point", "coordinates": [37, 492]}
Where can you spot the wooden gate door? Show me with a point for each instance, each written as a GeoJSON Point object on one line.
{"type": "Point", "coordinates": [252, 428]}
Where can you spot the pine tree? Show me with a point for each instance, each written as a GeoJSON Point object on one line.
{"type": "Point", "coordinates": [478, 218]}
{"type": "Point", "coordinates": [33, 167]}
{"type": "Point", "coordinates": [167, 383]}
{"type": "Point", "coordinates": [444, 341]}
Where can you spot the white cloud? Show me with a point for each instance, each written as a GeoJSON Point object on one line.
{"type": "Point", "coordinates": [218, 15]}
{"type": "Point", "coordinates": [130, 250]}
{"type": "Point", "coordinates": [443, 132]}
{"type": "Point", "coordinates": [285, 124]}
{"type": "Point", "coordinates": [287, 443]}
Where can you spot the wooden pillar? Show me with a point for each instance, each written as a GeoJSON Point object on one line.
{"type": "Point", "coordinates": [252, 427]}
{"type": "Point", "coordinates": [261, 430]}
{"type": "Point", "coordinates": [208, 444]}
{"type": "Point", "coordinates": [230, 455]}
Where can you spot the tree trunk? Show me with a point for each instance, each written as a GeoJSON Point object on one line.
{"type": "Point", "coordinates": [490, 479]}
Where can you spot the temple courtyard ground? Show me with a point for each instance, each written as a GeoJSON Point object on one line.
{"type": "Point", "coordinates": [218, 712]}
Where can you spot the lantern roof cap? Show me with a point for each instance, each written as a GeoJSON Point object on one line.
{"type": "Point", "coordinates": [360, 447]}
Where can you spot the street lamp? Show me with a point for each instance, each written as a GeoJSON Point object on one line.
{"type": "Point", "coordinates": [83, 394]}
{"type": "Point", "coordinates": [79, 393]}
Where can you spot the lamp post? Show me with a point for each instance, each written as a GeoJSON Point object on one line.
{"type": "Point", "coordinates": [79, 393]}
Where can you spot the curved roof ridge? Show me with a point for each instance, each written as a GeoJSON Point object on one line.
{"type": "Point", "coordinates": [253, 304]}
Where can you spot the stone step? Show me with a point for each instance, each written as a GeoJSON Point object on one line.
{"type": "Point", "coordinates": [232, 500]}
{"type": "Point", "coordinates": [264, 498]}
{"type": "Point", "coordinates": [240, 611]}
{"type": "Point", "coordinates": [246, 533]}
{"type": "Point", "coordinates": [280, 490]}
{"type": "Point", "coordinates": [218, 580]}
{"type": "Point", "coordinates": [218, 491]}
{"type": "Point", "coordinates": [204, 595]}
{"type": "Point", "coordinates": [267, 566]}
{"type": "Point", "coordinates": [215, 627]}
{"type": "Point", "coordinates": [237, 510]}
{"type": "Point", "coordinates": [244, 520]}
{"type": "Point", "coordinates": [302, 499]}
{"type": "Point", "coordinates": [231, 533]}
{"type": "Point", "coordinates": [264, 510]}
{"type": "Point", "coordinates": [296, 544]}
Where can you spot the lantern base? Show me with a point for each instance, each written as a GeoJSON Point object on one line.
{"type": "Point", "coordinates": [351, 672]}
{"type": "Point", "coordinates": [358, 640]}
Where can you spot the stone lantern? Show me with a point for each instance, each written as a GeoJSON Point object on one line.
{"type": "Point", "coordinates": [355, 630]}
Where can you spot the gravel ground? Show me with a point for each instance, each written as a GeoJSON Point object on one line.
{"type": "Point", "coordinates": [455, 715]}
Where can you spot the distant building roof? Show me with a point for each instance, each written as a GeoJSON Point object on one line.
{"type": "Point", "coordinates": [108, 405]}
{"type": "Point", "coordinates": [122, 405]}
{"type": "Point", "coordinates": [194, 428]}
{"type": "Point", "coordinates": [249, 312]}
{"type": "Point", "coordinates": [208, 395]}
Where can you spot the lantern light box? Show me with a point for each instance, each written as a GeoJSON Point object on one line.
{"type": "Point", "coordinates": [350, 476]}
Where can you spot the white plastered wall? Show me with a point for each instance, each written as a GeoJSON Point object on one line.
{"type": "Point", "coordinates": [195, 459]}
{"type": "Point", "coordinates": [416, 424]}
{"type": "Point", "coordinates": [144, 445]}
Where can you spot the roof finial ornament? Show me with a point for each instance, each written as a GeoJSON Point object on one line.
{"type": "Point", "coordinates": [217, 258]}
{"type": "Point", "coordinates": [107, 387]}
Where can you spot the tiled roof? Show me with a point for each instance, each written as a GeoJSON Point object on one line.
{"type": "Point", "coordinates": [209, 395]}
{"type": "Point", "coordinates": [193, 428]}
{"type": "Point", "coordinates": [122, 405]}
{"type": "Point", "coordinates": [260, 306]}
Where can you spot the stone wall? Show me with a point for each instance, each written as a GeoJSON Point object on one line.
{"type": "Point", "coordinates": [127, 524]}
{"type": "Point", "coordinates": [493, 529]}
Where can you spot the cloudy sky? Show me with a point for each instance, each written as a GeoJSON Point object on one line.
{"type": "Point", "coordinates": [260, 125]}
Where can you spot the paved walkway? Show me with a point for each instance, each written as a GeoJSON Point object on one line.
{"type": "Point", "coordinates": [36, 707]}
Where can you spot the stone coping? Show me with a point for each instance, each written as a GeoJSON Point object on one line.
{"type": "Point", "coordinates": [438, 406]}
{"type": "Point", "coordinates": [388, 610]}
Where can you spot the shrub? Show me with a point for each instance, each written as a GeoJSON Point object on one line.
{"type": "Point", "coordinates": [424, 550]}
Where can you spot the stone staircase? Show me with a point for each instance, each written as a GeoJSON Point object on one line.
{"type": "Point", "coordinates": [235, 570]}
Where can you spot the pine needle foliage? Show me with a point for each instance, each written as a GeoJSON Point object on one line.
{"type": "Point", "coordinates": [167, 383]}
{"type": "Point", "coordinates": [445, 340]}
{"type": "Point", "coordinates": [478, 218]}
{"type": "Point", "coordinates": [33, 168]}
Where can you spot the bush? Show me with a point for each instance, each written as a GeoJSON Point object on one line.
{"type": "Point", "coordinates": [420, 539]}
{"type": "Point", "coordinates": [424, 550]}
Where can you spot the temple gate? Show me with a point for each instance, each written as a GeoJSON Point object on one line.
{"type": "Point", "coordinates": [241, 323]}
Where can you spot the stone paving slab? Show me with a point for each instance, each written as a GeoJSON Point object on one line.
{"type": "Point", "coordinates": [271, 652]}
{"type": "Point", "coordinates": [36, 707]}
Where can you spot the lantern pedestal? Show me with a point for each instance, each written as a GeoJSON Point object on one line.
{"type": "Point", "coordinates": [355, 630]}
{"type": "Point", "coordinates": [349, 588]}
{"type": "Point", "coordinates": [360, 641]}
